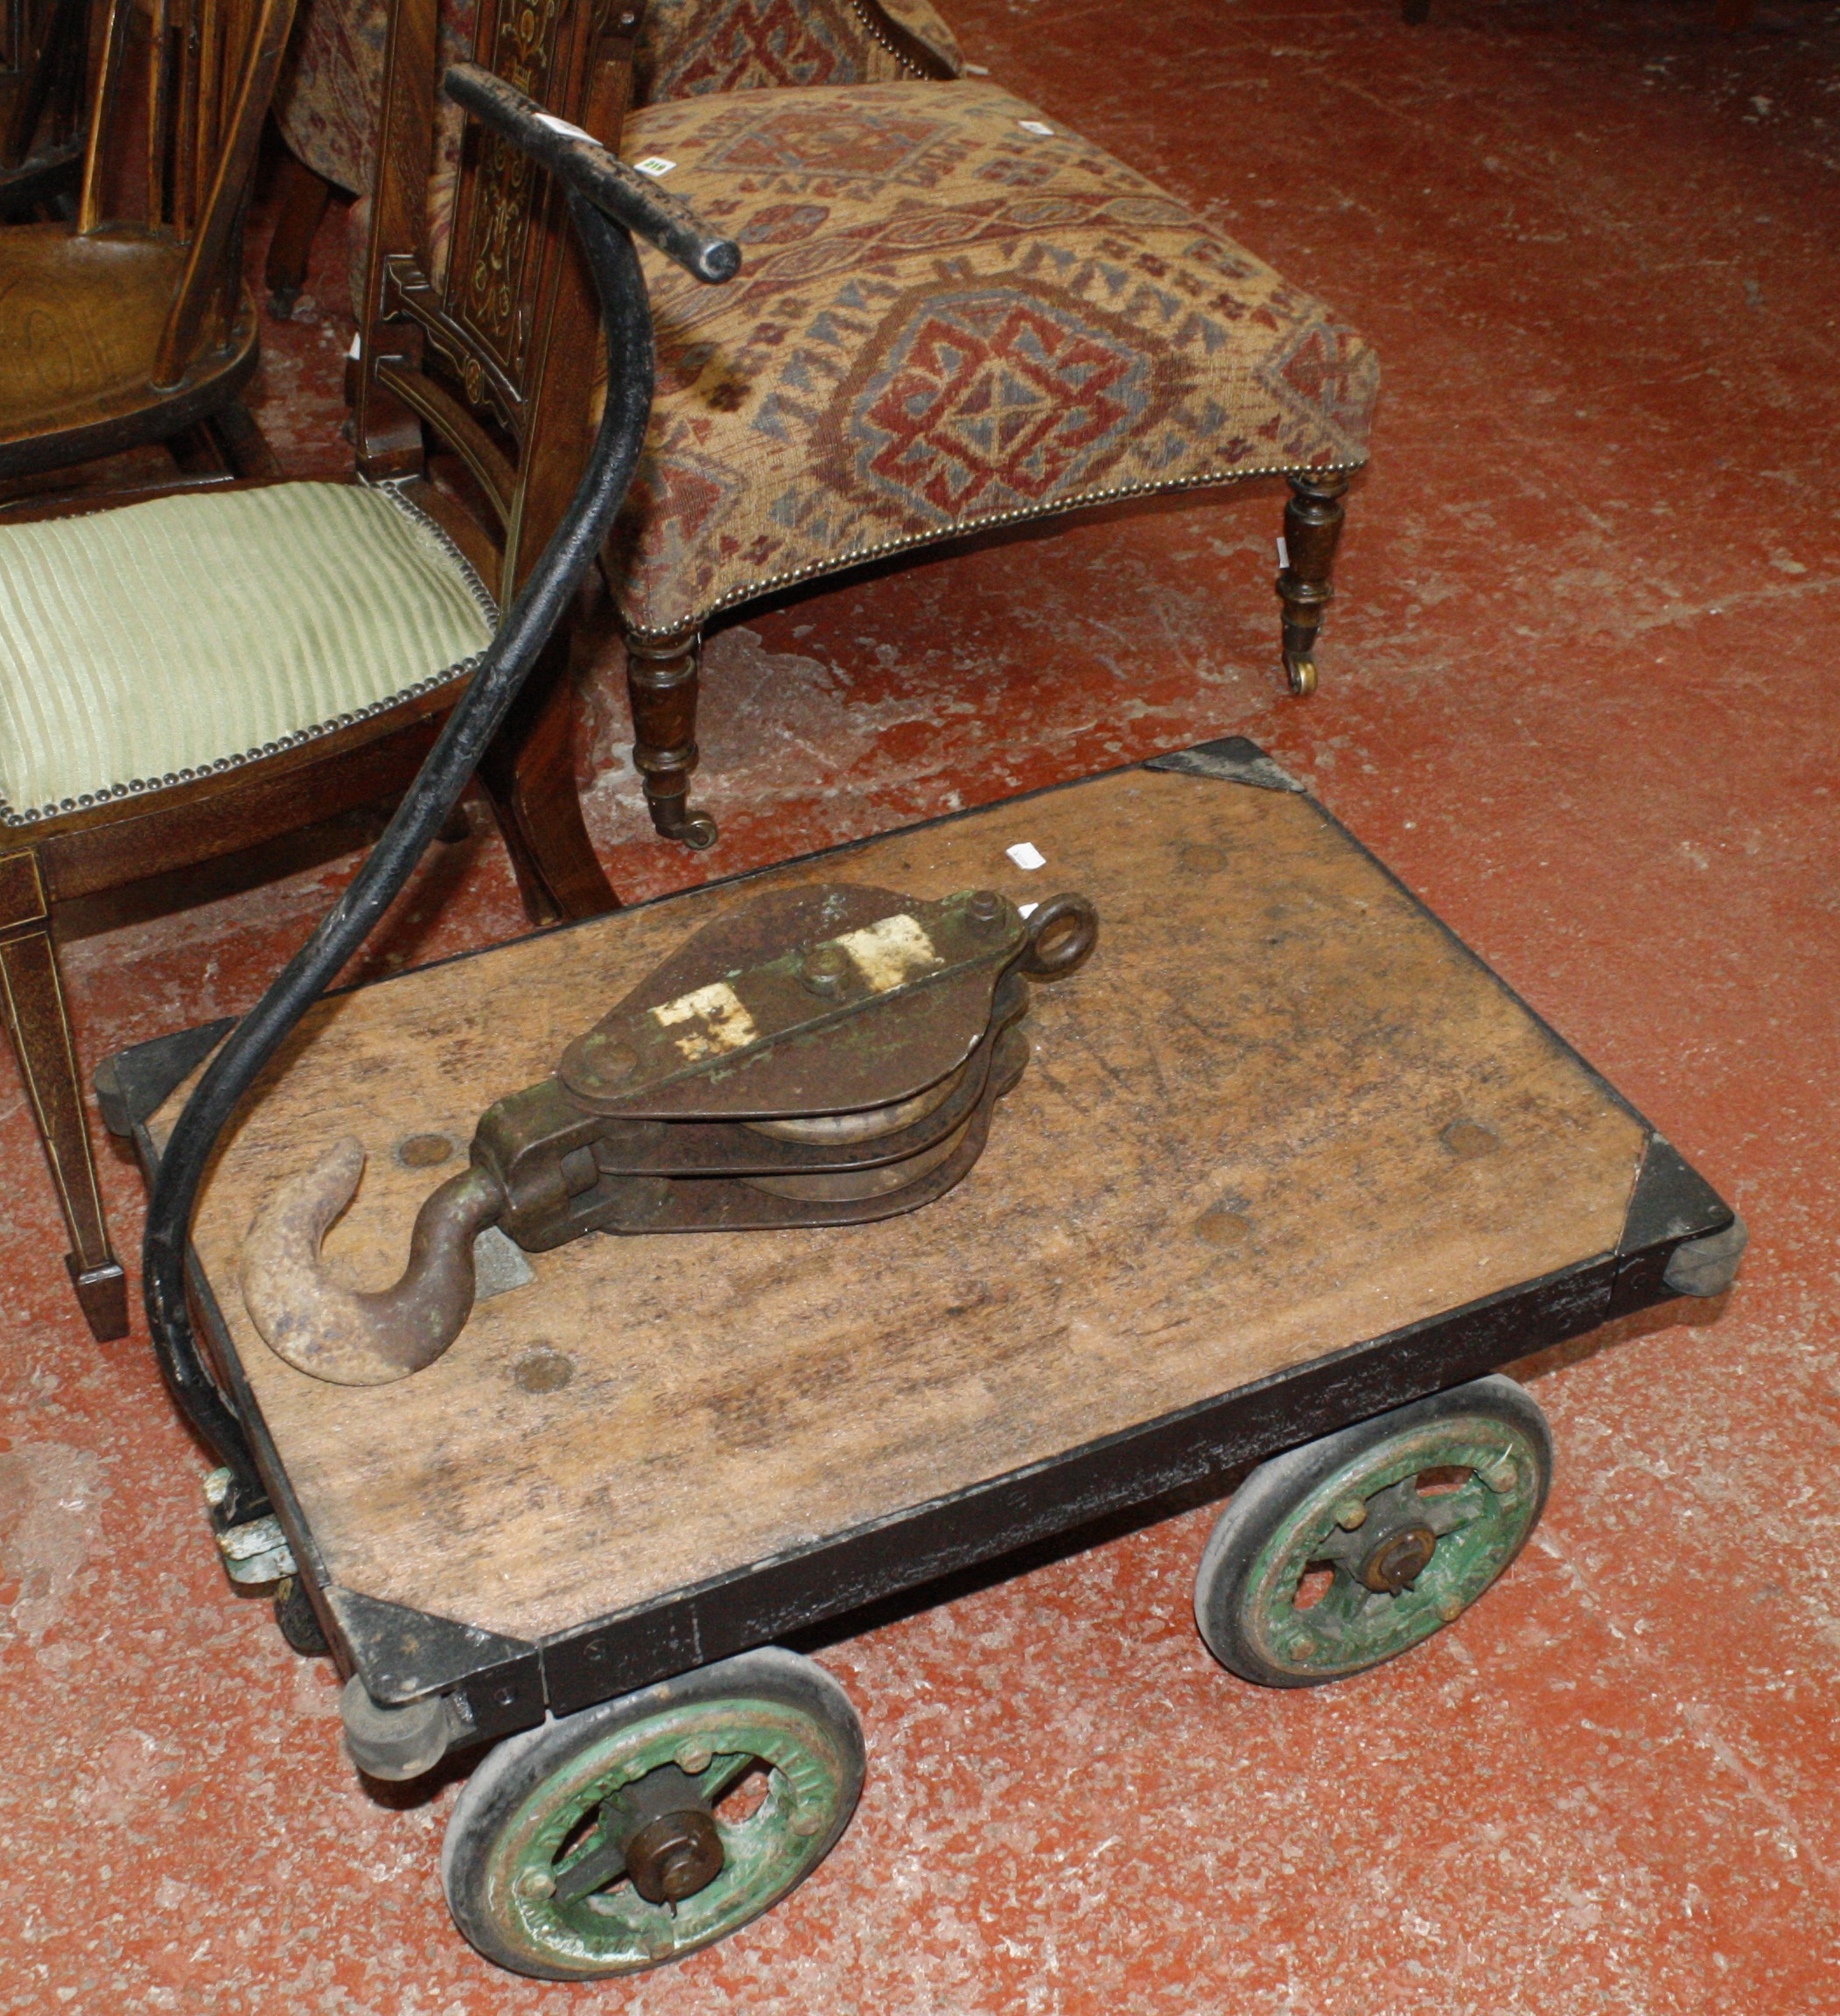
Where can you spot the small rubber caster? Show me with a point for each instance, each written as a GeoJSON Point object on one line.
{"type": "Point", "coordinates": [644, 1828]}
{"type": "Point", "coordinates": [299, 1621]}
{"type": "Point", "coordinates": [1347, 1552]}
{"type": "Point", "coordinates": [1709, 1266]}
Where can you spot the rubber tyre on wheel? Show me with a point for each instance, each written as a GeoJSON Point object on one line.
{"type": "Point", "coordinates": [519, 1821]}
{"type": "Point", "coordinates": [1445, 1491]}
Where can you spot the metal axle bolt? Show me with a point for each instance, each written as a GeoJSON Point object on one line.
{"type": "Point", "coordinates": [674, 1856]}
{"type": "Point", "coordinates": [1350, 1513]}
{"type": "Point", "coordinates": [1398, 1560]}
{"type": "Point", "coordinates": [825, 970]}
{"type": "Point", "coordinates": [608, 1058]}
{"type": "Point", "coordinates": [983, 908]}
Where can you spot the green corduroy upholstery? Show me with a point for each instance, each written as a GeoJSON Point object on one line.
{"type": "Point", "coordinates": [145, 645]}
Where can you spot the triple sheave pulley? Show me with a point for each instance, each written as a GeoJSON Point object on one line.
{"type": "Point", "coordinates": [821, 1056]}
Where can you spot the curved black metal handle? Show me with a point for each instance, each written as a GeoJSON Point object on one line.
{"type": "Point", "coordinates": [525, 628]}
{"type": "Point", "coordinates": [583, 165]}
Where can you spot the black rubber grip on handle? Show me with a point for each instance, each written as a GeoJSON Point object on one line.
{"type": "Point", "coordinates": [582, 163]}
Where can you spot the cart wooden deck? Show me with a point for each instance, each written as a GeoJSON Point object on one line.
{"type": "Point", "coordinates": [1285, 1154]}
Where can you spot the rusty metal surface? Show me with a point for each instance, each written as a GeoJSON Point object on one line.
{"type": "Point", "coordinates": [827, 1000]}
{"type": "Point", "coordinates": [343, 1334]}
{"type": "Point", "coordinates": [877, 1030]}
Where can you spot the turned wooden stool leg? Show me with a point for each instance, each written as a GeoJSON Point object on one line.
{"type": "Point", "coordinates": [661, 676]}
{"type": "Point", "coordinates": [303, 199]}
{"type": "Point", "coordinates": [32, 999]}
{"type": "Point", "coordinates": [1312, 526]}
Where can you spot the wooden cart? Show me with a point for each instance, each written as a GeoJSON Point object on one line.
{"type": "Point", "coordinates": [1290, 1172]}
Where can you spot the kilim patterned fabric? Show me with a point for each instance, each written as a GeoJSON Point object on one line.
{"type": "Point", "coordinates": [326, 104]}
{"type": "Point", "coordinates": [946, 317]}
{"type": "Point", "coordinates": [327, 107]}
{"type": "Point", "coordinates": [689, 47]}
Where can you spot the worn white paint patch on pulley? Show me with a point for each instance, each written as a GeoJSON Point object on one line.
{"type": "Point", "coordinates": [722, 1019]}
{"type": "Point", "coordinates": [891, 952]}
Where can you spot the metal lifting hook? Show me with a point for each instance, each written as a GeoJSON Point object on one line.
{"type": "Point", "coordinates": [346, 1335]}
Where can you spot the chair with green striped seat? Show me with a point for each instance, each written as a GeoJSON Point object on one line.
{"type": "Point", "coordinates": [190, 675]}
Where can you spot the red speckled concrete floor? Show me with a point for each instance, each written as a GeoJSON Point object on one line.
{"type": "Point", "coordinates": [1581, 693]}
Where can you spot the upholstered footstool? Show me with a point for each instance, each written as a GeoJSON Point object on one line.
{"type": "Point", "coordinates": [953, 313]}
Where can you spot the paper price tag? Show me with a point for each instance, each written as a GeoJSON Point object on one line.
{"type": "Point", "coordinates": [654, 165]}
{"type": "Point", "coordinates": [1026, 854]}
{"type": "Point", "coordinates": [1036, 126]}
{"type": "Point", "coordinates": [562, 127]}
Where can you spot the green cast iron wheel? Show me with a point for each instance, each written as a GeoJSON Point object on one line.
{"type": "Point", "coordinates": [1349, 1551]}
{"type": "Point", "coordinates": [716, 1792]}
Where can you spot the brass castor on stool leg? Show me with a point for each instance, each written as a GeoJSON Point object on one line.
{"type": "Point", "coordinates": [672, 819]}
{"type": "Point", "coordinates": [1312, 527]}
{"type": "Point", "coordinates": [661, 685]}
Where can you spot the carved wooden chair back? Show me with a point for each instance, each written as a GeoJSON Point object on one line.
{"type": "Point", "coordinates": [177, 165]}
{"type": "Point", "coordinates": [472, 355]}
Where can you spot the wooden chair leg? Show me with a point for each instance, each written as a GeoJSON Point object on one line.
{"type": "Point", "coordinates": [32, 998]}
{"type": "Point", "coordinates": [1312, 527]}
{"type": "Point", "coordinates": [528, 778]}
{"type": "Point", "coordinates": [199, 453]}
{"type": "Point", "coordinates": [661, 682]}
{"type": "Point", "coordinates": [244, 442]}
{"type": "Point", "coordinates": [303, 199]}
